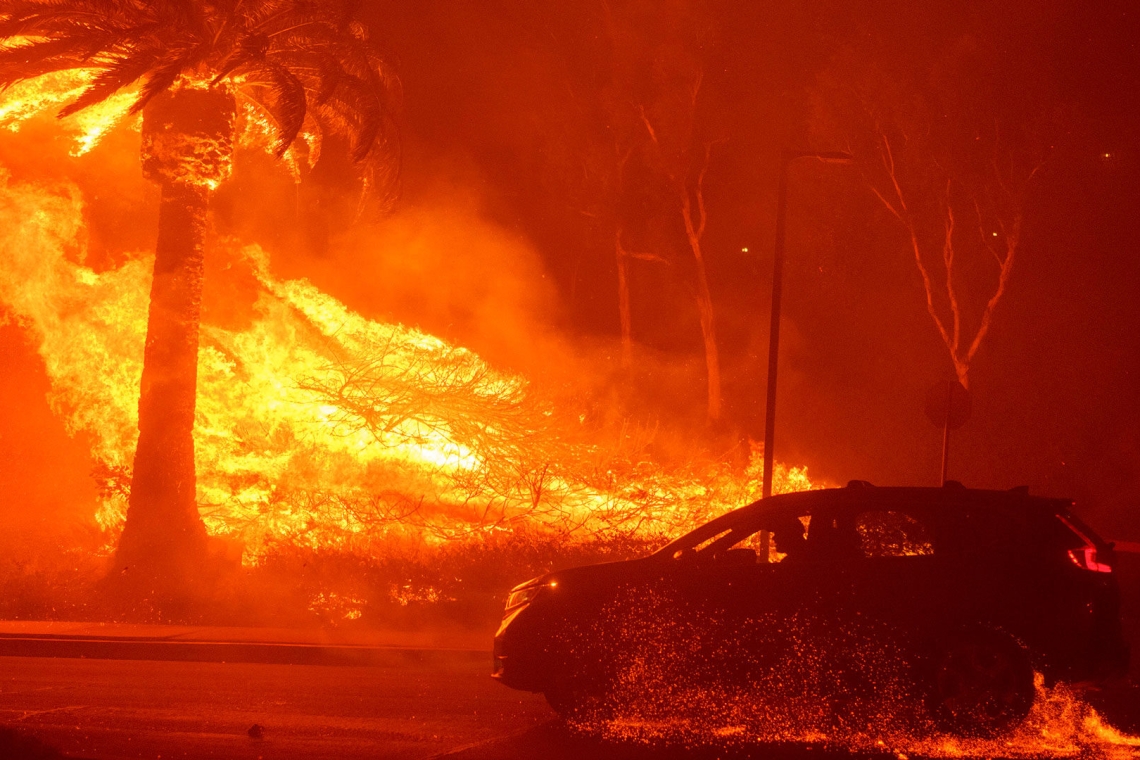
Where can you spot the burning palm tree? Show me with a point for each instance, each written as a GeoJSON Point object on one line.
{"type": "Point", "coordinates": [306, 69]}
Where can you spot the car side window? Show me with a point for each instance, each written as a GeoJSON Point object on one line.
{"type": "Point", "coordinates": [884, 533]}
{"type": "Point", "coordinates": [779, 538]}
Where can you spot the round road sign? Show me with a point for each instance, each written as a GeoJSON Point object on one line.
{"type": "Point", "coordinates": [948, 404]}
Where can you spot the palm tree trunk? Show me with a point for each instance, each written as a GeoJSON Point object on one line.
{"type": "Point", "coordinates": [164, 538]}
{"type": "Point", "coordinates": [187, 147]}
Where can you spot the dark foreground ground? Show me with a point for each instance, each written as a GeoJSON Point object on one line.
{"type": "Point", "coordinates": [413, 706]}
{"type": "Point", "coordinates": [150, 709]}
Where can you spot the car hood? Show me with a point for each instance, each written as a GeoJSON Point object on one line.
{"type": "Point", "coordinates": [591, 576]}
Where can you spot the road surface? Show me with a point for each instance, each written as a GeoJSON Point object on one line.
{"type": "Point", "coordinates": [151, 709]}
{"type": "Point", "coordinates": [415, 706]}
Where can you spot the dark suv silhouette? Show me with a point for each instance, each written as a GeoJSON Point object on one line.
{"type": "Point", "coordinates": [955, 596]}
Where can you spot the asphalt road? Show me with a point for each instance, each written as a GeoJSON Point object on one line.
{"type": "Point", "coordinates": [412, 707]}
{"type": "Point", "coordinates": [151, 709]}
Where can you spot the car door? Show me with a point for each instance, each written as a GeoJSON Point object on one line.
{"type": "Point", "coordinates": [751, 599]}
{"type": "Point", "coordinates": [898, 579]}
{"type": "Point", "coordinates": [820, 607]}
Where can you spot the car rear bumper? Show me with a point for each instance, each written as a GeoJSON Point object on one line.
{"type": "Point", "coordinates": [1107, 653]}
{"type": "Point", "coordinates": [1086, 643]}
{"type": "Point", "coordinates": [1107, 656]}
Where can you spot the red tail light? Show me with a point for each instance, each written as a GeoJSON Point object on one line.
{"type": "Point", "coordinates": [1085, 556]}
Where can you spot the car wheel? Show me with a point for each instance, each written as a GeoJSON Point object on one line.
{"type": "Point", "coordinates": [982, 684]}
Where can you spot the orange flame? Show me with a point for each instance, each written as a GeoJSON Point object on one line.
{"type": "Point", "coordinates": [51, 92]}
{"type": "Point", "coordinates": [318, 426]}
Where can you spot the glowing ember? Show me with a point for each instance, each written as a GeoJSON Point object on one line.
{"type": "Point", "coordinates": [1061, 725]}
{"type": "Point", "coordinates": [805, 698]}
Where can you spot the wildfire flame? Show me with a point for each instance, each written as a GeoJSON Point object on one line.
{"type": "Point", "coordinates": [318, 426]}
{"type": "Point", "coordinates": [315, 425]}
{"type": "Point", "coordinates": [48, 93]}
{"type": "Point", "coordinates": [32, 97]}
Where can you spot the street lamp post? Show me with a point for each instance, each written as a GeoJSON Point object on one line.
{"type": "Point", "coordinates": [836, 157]}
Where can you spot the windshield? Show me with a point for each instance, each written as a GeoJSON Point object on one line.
{"type": "Point", "coordinates": [768, 534]}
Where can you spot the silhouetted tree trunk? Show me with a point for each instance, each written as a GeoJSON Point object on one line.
{"type": "Point", "coordinates": [695, 217]}
{"type": "Point", "coordinates": [164, 534]}
{"type": "Point", "coordinates": [695, 232]}
{"type": "Point", "coordinates": [622, 258]}
{"type": "Point", "coordinates": [187, 148]}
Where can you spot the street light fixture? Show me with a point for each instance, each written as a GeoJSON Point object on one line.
{"type": "Point", "coordinates": [830, 157]}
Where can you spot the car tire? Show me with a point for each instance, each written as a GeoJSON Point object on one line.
{"type": "Point", "coordinates": [980, 684]}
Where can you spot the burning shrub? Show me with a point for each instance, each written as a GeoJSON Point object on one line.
{"type": "Point", "coordinates": [460, 583]}
{"type": "Point", "coordinates": [45, 576]}
{"type": "Point", "coordinates": [319, 428]}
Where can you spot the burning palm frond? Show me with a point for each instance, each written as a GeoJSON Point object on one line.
{"type": "Point", "coordinates": [303, 70]}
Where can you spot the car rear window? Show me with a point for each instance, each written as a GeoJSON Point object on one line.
{"type": "Point", "coordinates": [889, 533]}
{"type": "Point", "coordinates": [996, 531]}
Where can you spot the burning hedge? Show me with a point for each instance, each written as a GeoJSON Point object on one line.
{"type": "Point", "coordinates": [320, 428]}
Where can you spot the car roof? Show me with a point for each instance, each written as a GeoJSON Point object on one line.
{"type": "Point", "coordinates": [858, 493]}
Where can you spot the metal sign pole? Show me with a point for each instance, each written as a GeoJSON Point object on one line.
{"type": "Point", "coordinates": [948, 406]}
{"type": "Point", "coordinates": [946, 430]}
{"type": "Point", "coordinates": [831, 157]}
